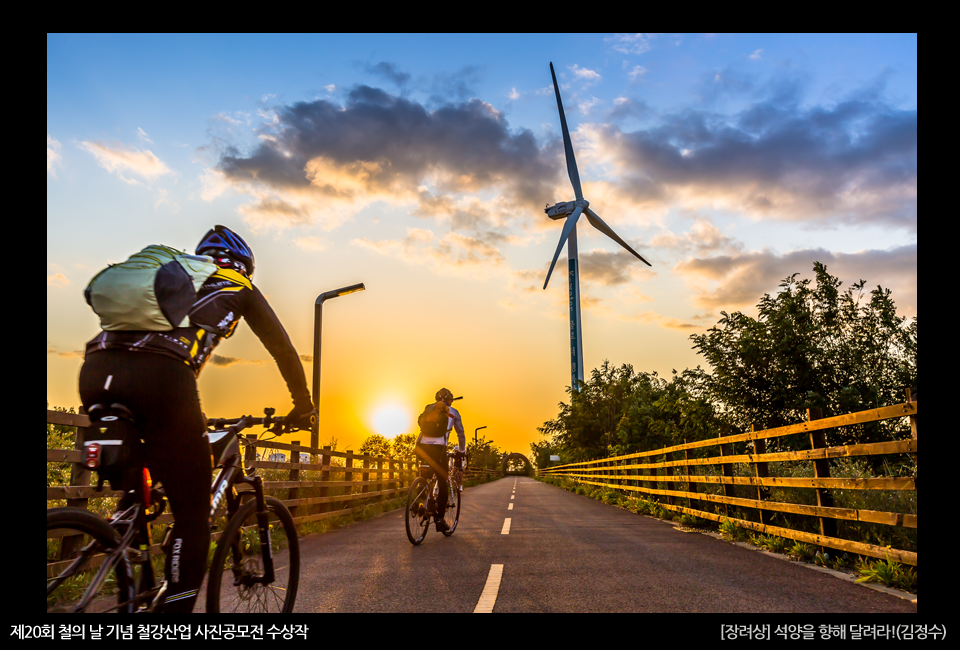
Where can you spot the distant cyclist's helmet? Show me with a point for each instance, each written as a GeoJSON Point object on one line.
{"type": "Point", "coordinates": [443, 395]}
{"type": "Point", "coordinates": [221, 240]}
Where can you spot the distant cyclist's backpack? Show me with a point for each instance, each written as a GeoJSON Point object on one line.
{"type": "Point", "coordinates": [153, 290]}
{"type": "Point", "coordinates": [433, 420]}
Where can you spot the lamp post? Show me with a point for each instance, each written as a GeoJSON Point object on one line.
{"type": "Point", "coordinates": [317, 326]}
{"type": "Point", "coordinates": [475, 434]}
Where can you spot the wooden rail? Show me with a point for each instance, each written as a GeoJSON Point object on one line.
{"type": "Point", "coordinates": [645, 472]}
{"type": "Point", "coordinates": [347, 482]}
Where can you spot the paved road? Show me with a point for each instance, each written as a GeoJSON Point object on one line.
{"type": "Point", "coordinates": [563, 553]}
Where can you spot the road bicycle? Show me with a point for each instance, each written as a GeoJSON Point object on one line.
{"type": "Point", "coordinates": [422, 500]}
{"type": "Point", "coordinates": [246, 574]}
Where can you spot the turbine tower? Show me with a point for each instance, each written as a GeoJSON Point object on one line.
{"type": "Point", "coordinates": [571, 211]}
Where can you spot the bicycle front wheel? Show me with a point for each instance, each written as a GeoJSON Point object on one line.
{"type": "Point", "coordinates": [452, 514]}
{"type": "Point", "coordinates": [78, 544]}
{"type": "Point", "coordinates": [418, 521]}
{"type": "Point", "coordinates": [236, 582]}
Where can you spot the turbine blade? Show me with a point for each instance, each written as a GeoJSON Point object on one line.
{"type": "Point", "coordinates": [567, 228]}
{"type": "Point", "coordinates": [599, 224]}
{"type": "Point", "coordinates": [567, 146]}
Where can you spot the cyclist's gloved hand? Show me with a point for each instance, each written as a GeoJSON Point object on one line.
{"type": "Point", "coordinates": [301, 417]}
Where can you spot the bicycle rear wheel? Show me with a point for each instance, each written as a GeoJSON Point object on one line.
{"type": "Point", "coordinates": [235, 582]}
{"type": "Point", "coordinates": [452, 514]}
{"type": "Point", "coordinates": [418, 521]}
{"type": "Point", "coordinates": [76, 543]}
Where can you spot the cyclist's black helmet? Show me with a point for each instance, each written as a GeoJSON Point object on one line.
{"type": "Point", "coordinates": [443, 395]}
{"type": "Point", "coordinates": [221, 240]}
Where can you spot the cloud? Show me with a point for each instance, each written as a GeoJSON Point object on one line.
{"type": "Point", "coordinates": [854, 162]}
{"type": "Point", "coordinates": [72, 354]}
{"type": "Point", "coordinates": [608, 269]}
{"type": "Point", "coordinates": [637, 71]}
{"type": "Point", "coordinates": [756, 54]}
{"type": "Point", "coordinates": [390, 72]}
{"type": "Point", "coordinates": [225, 362]}
{"type": "Point", "coordinates": [143, 135]}
{"type": "Point", "coordinates": [454, 252]}
{"type": "Point", "coordinates": [121, 158]}
{"type": "Point", "coordinates": [737, 281]}
{"type": "Point", "coordinates": [57, 280]}
{"type": "Point", "coordinates": [590, 76]}
{"type": "Point", "coordinates": [53, 155]}
{"type": "Point", "coordinates": [631, 43]}
{"type": "Point", "coordinates": [323, 162]}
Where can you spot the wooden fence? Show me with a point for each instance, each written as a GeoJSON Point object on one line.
{"type": "Point", "coordinates": [347, 482]}
{"type": "Point", "coordinates": [676, 465]}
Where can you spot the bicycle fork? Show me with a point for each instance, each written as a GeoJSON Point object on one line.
{"type": "Point", "coordinates": [263, 525]}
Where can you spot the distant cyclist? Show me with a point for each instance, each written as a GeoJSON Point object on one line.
{"type": "Point", "coordinates": [154, 374]}
{"type": "Point", "coordinates": [432, 449]}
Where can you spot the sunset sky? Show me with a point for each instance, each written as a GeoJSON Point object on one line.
{"type": "Point", "coordinates": [420, 165]}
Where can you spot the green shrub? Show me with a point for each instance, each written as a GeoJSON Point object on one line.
{"type": "Point", "coordinates": [689, 521]}
{"type": "Point", "coordinates": [732, 531]}
{"type": "Point", "coordinates": [801, 551]}
{"type": "Point", "coordinates": [773, 543]}
{"type": "Point", "coordinates": [887, 572]}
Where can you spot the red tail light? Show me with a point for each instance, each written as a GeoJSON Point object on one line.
{"type": "Point", "coordinates": [92, 459]}
{"type": "Point", "coordinates": [147, 487]}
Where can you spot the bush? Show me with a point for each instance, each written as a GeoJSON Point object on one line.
{"type": "Point", "coordinates": [801, 551]}
{"type": "Point", "coordinates": [732, 531]}
{"type": "Point", "coordinates": [689, 521]}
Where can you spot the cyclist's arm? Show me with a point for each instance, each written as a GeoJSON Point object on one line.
{"type": "Point", "coordinates": [458, 425]}
{"type": "Point", "coordinates": [265, 324]}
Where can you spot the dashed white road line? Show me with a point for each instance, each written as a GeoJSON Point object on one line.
{"type": "Point", "coordinates": [510, 507]}
{"type": "Point", "coordinates": [488, 597]}
{"type": "Point", "coordinates": [506, 527]}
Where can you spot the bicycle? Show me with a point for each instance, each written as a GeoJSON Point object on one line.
{"type": "Point", "coordinates": [245, 574]}
{"type": "Point", "coordinates": [422, 499]}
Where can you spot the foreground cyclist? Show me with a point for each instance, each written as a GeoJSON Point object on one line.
{"type": "Point", "coordinates": [154, 374]}
{"type": "Point", "coordinates": [433, 451]}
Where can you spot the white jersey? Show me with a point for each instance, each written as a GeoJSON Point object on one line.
{"type": "Point", "coordinates": [453, 422]}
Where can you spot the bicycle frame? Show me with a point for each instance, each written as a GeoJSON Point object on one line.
{"type": "Point", "coordinates": [232, 474]}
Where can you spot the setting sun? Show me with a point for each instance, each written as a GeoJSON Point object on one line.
{"type": "Point", "coordinates": [392, 419]}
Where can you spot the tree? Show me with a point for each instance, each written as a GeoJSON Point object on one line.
{"type": "Point", "coordinates": [811, 346]}
{"type": "Point", "coordinates": [375, 445]}
{"type": "Point", "coordinates": [403, 444]}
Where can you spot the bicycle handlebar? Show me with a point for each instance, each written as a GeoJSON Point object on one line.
{"type": "Point", "coordinates": [271, 422]}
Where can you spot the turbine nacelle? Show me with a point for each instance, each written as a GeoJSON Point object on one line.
{"type": "Point", "coordinates": [564, 209]}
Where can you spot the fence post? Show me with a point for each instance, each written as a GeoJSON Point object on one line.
{"type": "Point", "coordinates": [761, 471]}
{"type": "Point", "coordinates": [726, 471]}
{"type": "Point", "coordinates": [325, 477]}
{"type": "Point", "coordinates": [393, 485]}
{"type": "Point", "coordinates": [380, 478]}
{"type": "Point", "coordinates": [348, 476]}
{"type": "Point", "coordinates": [79, 474]}
{"type": "Point", "coordinates": [912, 397]}
{"type": "Point", "coordinates": [294, 492]}
{"type": "Point", "coordinates": [821, 469]}
{"type": "Point", "coordinates": [692, 503]}
{"type": "Point", "coordinates": [668, 474]}
{"type": "Point", "coordinates": [365, 476]}
{"type": "Point", "coordinates": [79, 477]}
{"type": "Point", "coordinates": [250, 453]}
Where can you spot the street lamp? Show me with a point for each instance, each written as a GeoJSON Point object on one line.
{"type": "Point", "coordinates": [475, 434]}
{"type": "Point", "coordinates": [317, 322]}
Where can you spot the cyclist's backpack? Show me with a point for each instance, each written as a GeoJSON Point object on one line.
{"type": "Point", "coordinates": [433, 420]}
{"type": "Point", "coordinates": [112, 447]}
{"type": "Point", "coordinates": [153, 290]}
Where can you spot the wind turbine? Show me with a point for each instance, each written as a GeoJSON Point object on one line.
{"type": "Point", "coordinates": [571, 211]}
